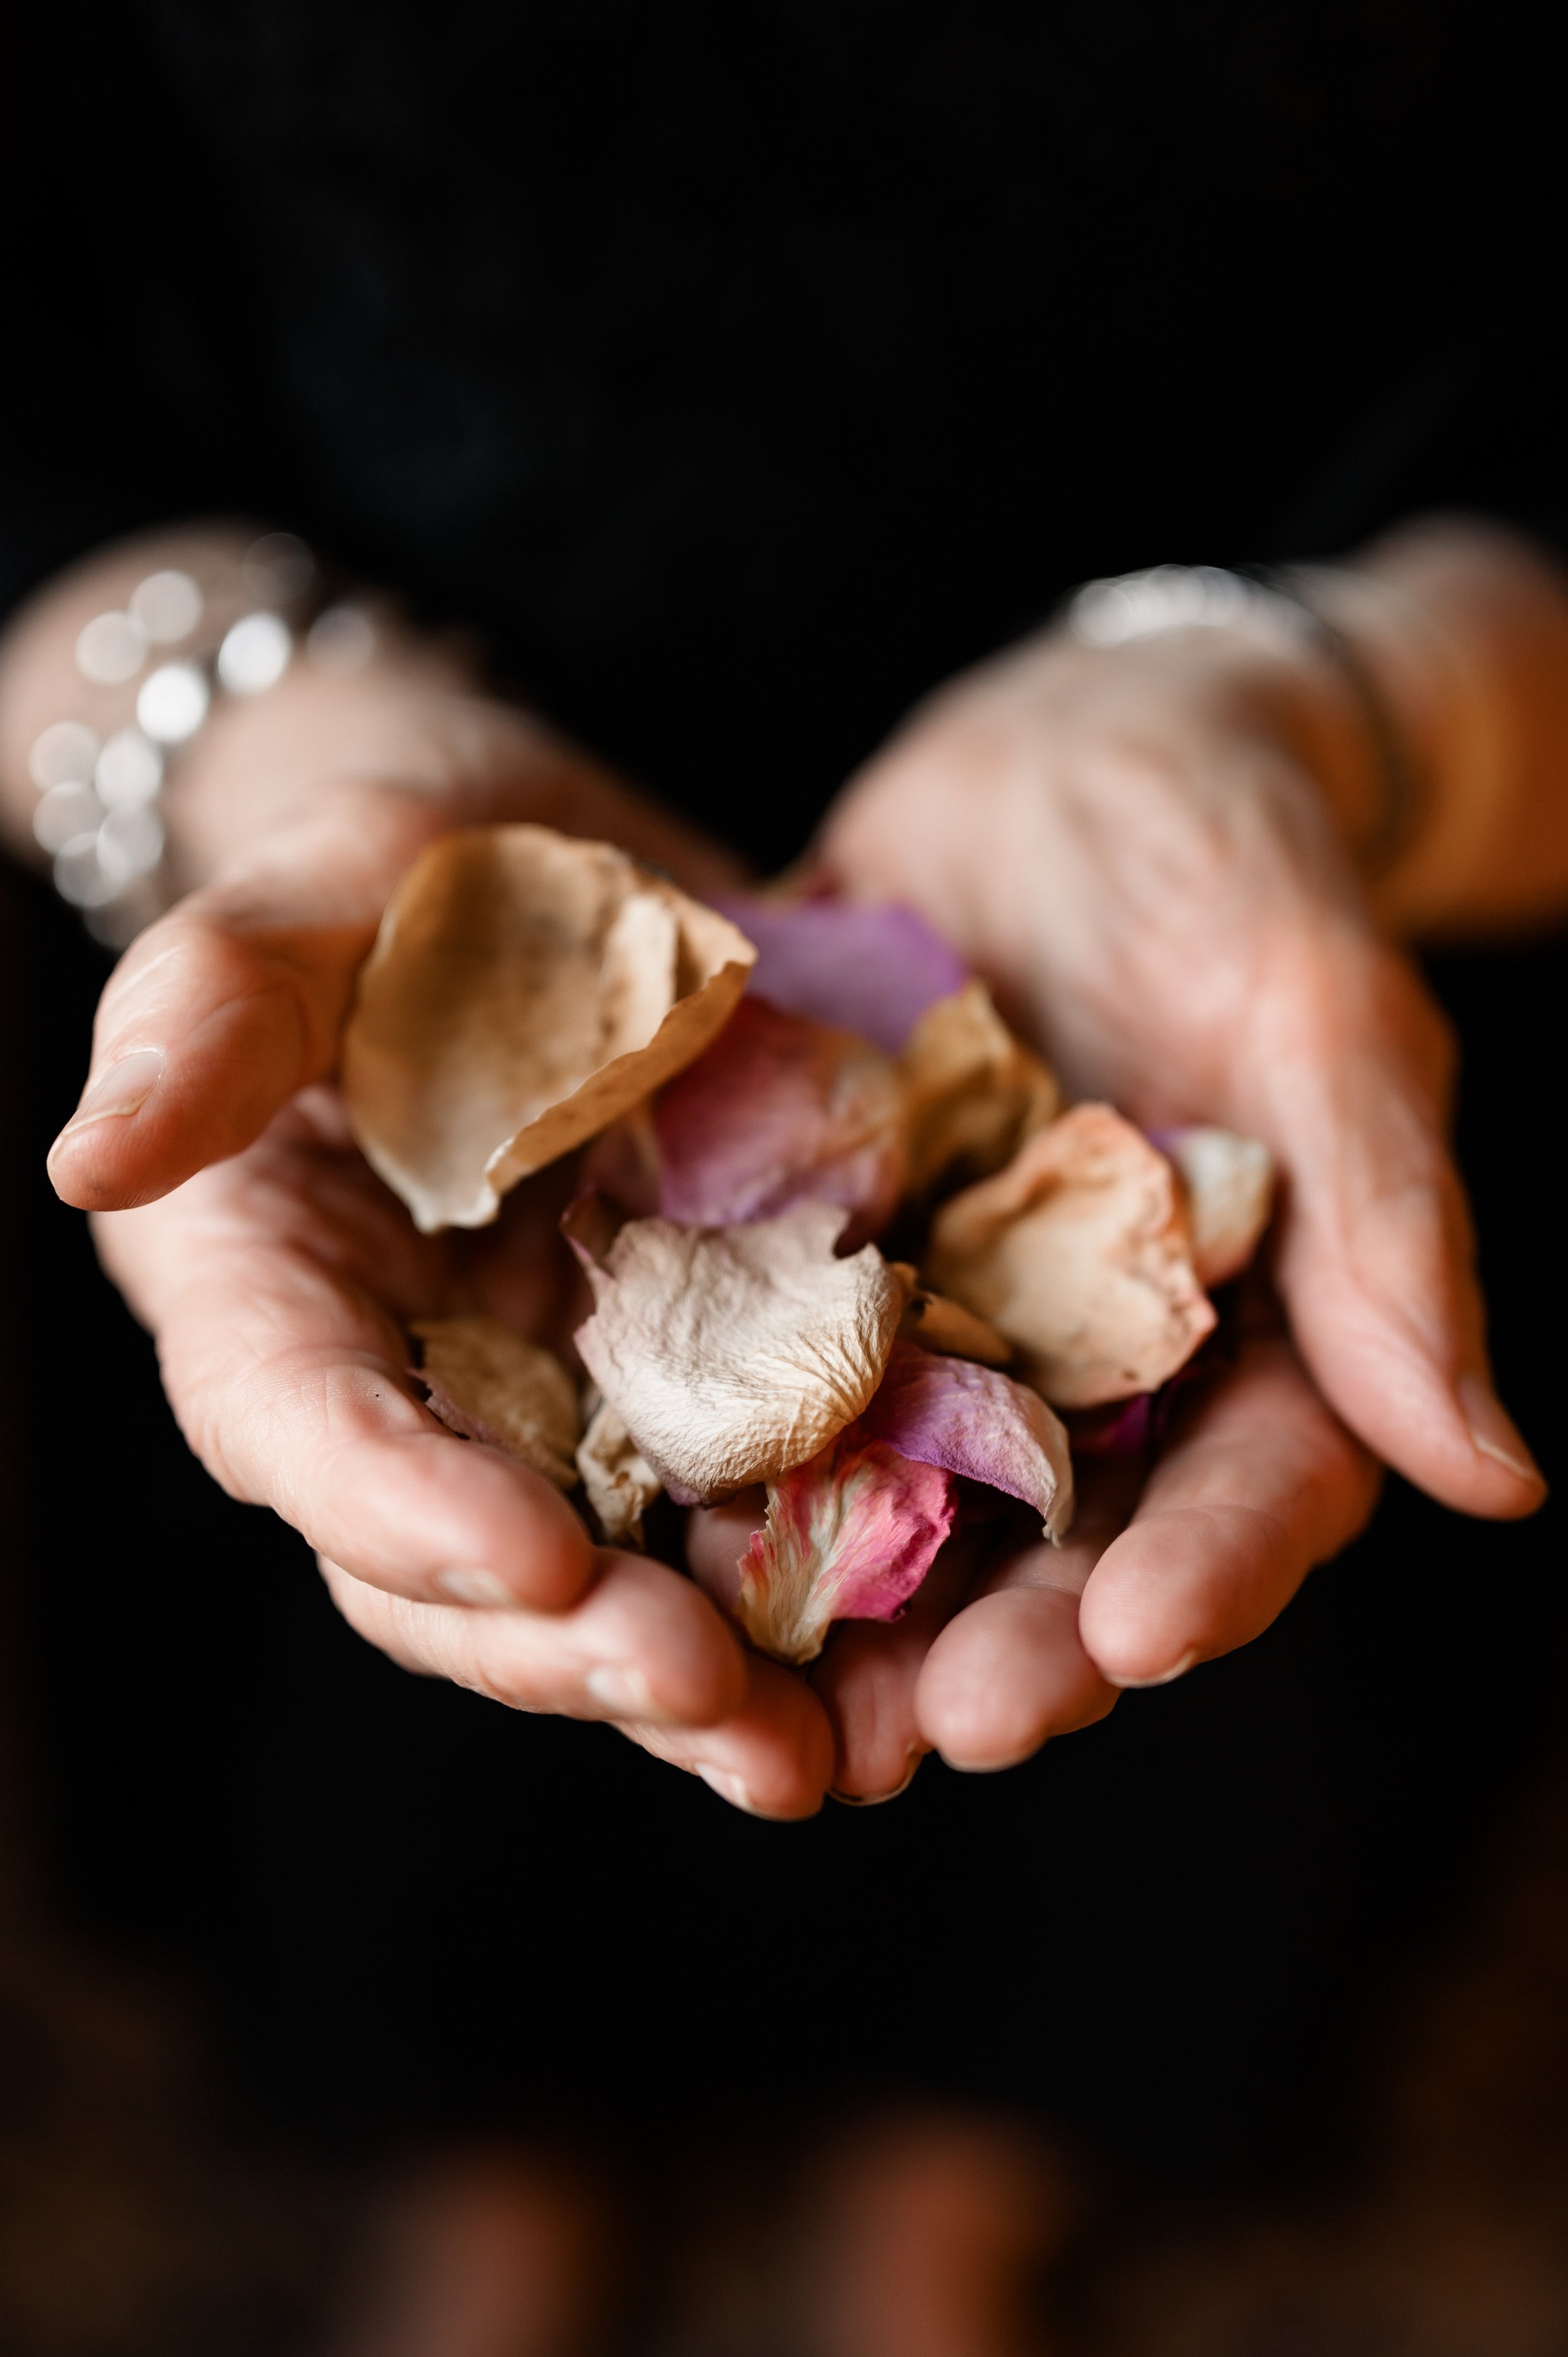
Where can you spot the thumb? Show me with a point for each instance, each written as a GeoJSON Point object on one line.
{"type": "Point", "coordinates": [1376, 1260]}
{"type": "Point", "coordinates": [213, 1019]}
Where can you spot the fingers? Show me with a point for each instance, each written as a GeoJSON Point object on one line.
{"type": "Point", "coordinates": [1259, 1482]}
{"type": "Point", "coordinates": [223, 1010]}
{"type": "Point", "coordinates": [1011, 1670]}
{"type": "Point", "coordinates": [773, 1756]}
{"type": "Point", "coordinates": [1376, 1255]}
{"type": "Point", "coordinates": [287, 1378]}
{"type": "Point", "coordinates": [867, 1678]}
{"type": "Point", "coordinates": [641, 1645]}
{"type": "Point", "coordinates": [771, 1770]}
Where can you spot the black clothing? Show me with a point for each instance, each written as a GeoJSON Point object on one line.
{"type": "Point", "coordinates": [739, 385]}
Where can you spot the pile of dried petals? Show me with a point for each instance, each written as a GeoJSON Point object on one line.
{"type": "Point", "coordinates": [759, 1092]}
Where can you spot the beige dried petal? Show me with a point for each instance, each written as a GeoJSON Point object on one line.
{"type": "Point", "coordinates": [620, 1481]}
{"type": "Point", "coordinates": [488, 1384]}
{"type": "Point", "coordinates": [1078, 1252]}
{"type": "Point", "coordinates": [937, 1324]}
{"type": "Point", "coordinates": [974, 1091]}
{"type": "Point", "coordinates": [734, 1353]}
{"type": "Point", "coordinates": [525, 989]}
{"type": "Point", "coordinates": [1229, 1184]}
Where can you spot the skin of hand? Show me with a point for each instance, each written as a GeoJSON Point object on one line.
{"type": "Point", "coordinates": [275, 1270]}
{"type": "Point", "coordinates": [1136, 846]}
{"type": "Point", "coordinates": [1121, 844]}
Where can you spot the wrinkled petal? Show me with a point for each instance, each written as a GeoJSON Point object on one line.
{"type": "Point", "coordinates": [972, 1421]}
{"type": "Point", "coordinates": [524, 990]}
{"type": "Point", "coordinates": [849, 1536]}
{"type": "Point", "coordinates": [874, 969]}
{"type": "Point", "coordinates": [1228, 1183]}
{"type": "Point", "coordinates": [620, 1481]}
{"type": "Point", "coordinates": [780, 1111]}
{"type": "Point", "coordinates": [732, 1354]}
{"type": "Point", "coordinates": [1078, 1252]}
{"type": "Point", "coordinates": [974, 1091]}
{"type": "Point", "coordinates": [487, 1383]}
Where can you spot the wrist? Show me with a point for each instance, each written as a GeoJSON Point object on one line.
{"type": "Point", "coordinates": [1466, 628]}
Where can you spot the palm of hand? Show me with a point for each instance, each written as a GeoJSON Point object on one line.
{"type": "Point", "coordinates": [1175, 925]}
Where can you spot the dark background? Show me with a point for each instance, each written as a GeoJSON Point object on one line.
{"type": "Point", "coordinates": [738, 387]}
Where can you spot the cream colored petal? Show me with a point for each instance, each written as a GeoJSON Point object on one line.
{"type": "Point", "coordinates": [1228, 1183]}
{"type": "Point", "coordinates": [734, 1353]}
{"type": "Point", "coordinates": [620, 1481]}
{"type": "Point", "coordinates": [488, 1384]}
{"type": "Point", "coordinates": [974, 1091]}
{"type": "Point", "coordinates": [525, 990]}
{"type": "Point", "coordinates": [1078, 1254]}
{"type": "Point", "coordinates": [937, 1324]}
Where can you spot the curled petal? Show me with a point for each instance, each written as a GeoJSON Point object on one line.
{"type": "Point", "coordinates": [524, 990]}
{"type": "Point", "coordinates": [1078, 1252]}
{"type": "Point", "coordinates": [780, 1111]}
{"type": "Point", "coordinates": [732, 1354]}
{"type": "Point", "coordinates": [937, 1324]}
{"type": "Point", "coordinates": [974, 1091]}
{"type": "Point", "coordinates": [972, 1421]}
{"type": "Point", "coordinates": [872, 969]}
{"type": "Point", "coordinates": [849, 1536]}
{"type": "Point", "coordinates": [487, 1383]}
{"type": "Point", "coordinates": [620, 1481]}
{"type": "Point", "coordinates": [1229, 1184]}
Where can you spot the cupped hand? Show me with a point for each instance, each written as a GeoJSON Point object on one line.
{"type": "Point", "coordinates": [1006, 1645]}
{"type": "Point", "coordinates": [280, 1277]}
{"type": "Point", "coordinates": [1135, 846]}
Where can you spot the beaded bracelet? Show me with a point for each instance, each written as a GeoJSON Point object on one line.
{"type": "Point", "coordinates": [178, 642]}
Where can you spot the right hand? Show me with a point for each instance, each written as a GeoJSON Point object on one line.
{"type": "Point", "coordinates": [279, 1276]}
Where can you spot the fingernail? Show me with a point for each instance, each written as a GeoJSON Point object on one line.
{"type": "Point", "coordinates": [1163, 1678]}
{"type": "Point", "coordinates": [466, 1583]}
{"type": "Point", "coordinates": [876, 1800]}
{"type": "Point", "coordinates": [1493, 1429]}
{"type": "Point", "coordinates": [624, 1693]}
{"type": "Point", "coordinates": [121, 1089]}
{"type": "Point", "coordinates": [729, 1788]}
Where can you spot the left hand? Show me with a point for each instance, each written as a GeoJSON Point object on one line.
{"type": "Point", "coordinates": [1136, 847]}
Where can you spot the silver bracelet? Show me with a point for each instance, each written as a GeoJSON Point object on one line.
{"type": "Point", "coordinates": [1130, 606]}
{"type": "Point", "coordinates": [178, 644]}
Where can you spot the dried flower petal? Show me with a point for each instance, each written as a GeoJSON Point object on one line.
{"type": "Point", "coordinates": [734, 1353]}
{"type": "Point", "coordinates": [524, 990]}
{"type": "Point", "coordinates": [621, 1483]}
{"type": "Point", "coordinates": [1228, 1183]}
{"type": "Point", "coordinates": [937, 1324]}
{"type": "Point", "coordinates": [1078, 1252]}
{"type": "Point", "coordinates": [779, 1111]}
{"type": "Point", "coordinates": [488, 1384]}
{"type": "Point", "coordinates": [849, 1536]}
{"type": "Point", "coordinates": [972, 1421]}
{"type": "Point", "coordinates": [874, 969]}
{"type": "Point", "coordinates": [974, 1092]}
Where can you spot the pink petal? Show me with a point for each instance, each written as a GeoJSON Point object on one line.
{"type": "Point", "coordinates": [780, 1111]}
{"type": "Point", "coordinates": [971, 1420]}
{"type": "Point", "coordinates": [872, 969]}
{"type": "Point", "coordinates": [849, 1536]}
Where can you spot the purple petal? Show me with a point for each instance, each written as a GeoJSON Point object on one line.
{"type": "Point", "coordinates": [779, 1111]}
{"type": "Point", "coordinates": [874, 970]}
{"type": "Point", "coordinates": [970, 1420]}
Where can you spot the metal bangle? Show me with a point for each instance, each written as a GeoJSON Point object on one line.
{"type": "Point", "coordinates": [1132, 606]}
{"type": "Point", "coordinates": [179, 644]}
